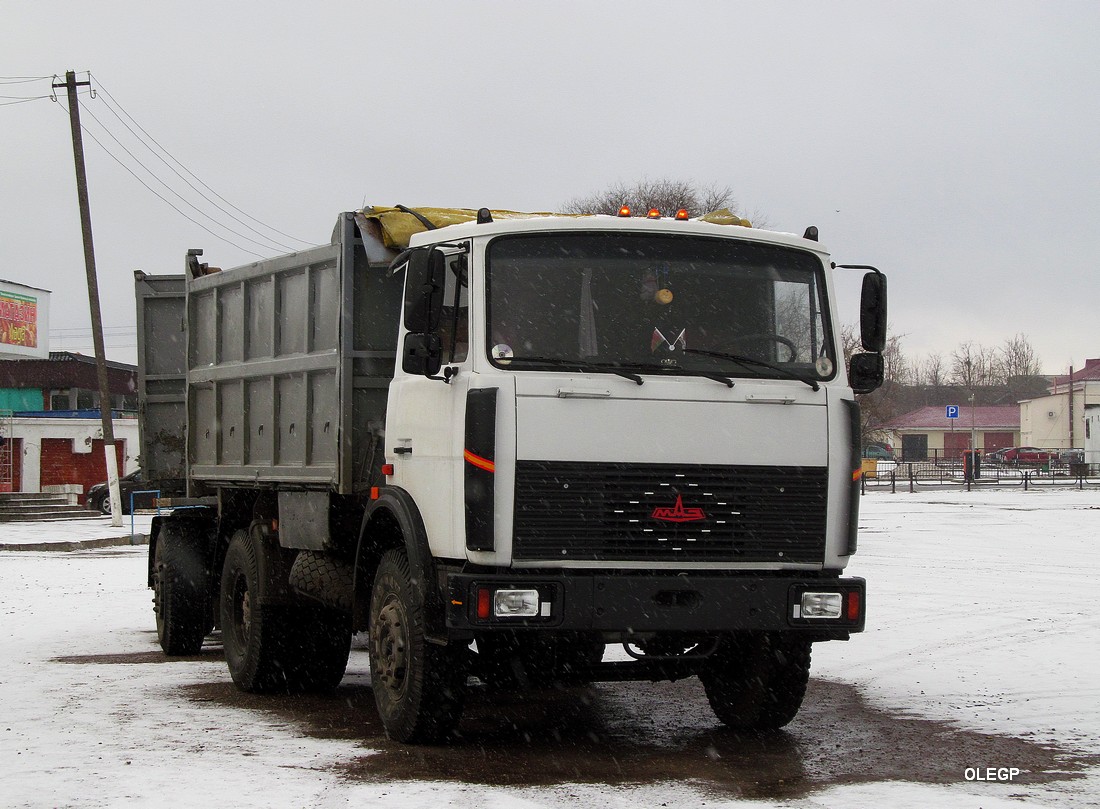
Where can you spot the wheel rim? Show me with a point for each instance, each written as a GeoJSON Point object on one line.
{"type": "Point", "coordinates": [242, 611]}
{"type": "Point", "coordinates": [105, 505]}
{"type": "Point", "coordinates": [391, 645]}
{"type": "Point", "coordinates": [158, 591]}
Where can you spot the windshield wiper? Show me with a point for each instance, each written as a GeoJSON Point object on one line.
{"type": "Point", "coordinates": [679, 369]}
{"type": "Point", "coordinates": [752, 361]}
{"type": "Point", "coordinates": [579, 364]}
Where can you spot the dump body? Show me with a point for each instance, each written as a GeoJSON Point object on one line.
{"type": "Point", "coordinates": [162, 376]}
{"type": "Point", "coordinates": [283, 364]}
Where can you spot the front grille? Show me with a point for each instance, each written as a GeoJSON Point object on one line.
{"type": "Point", "coordinates": [569, 511]}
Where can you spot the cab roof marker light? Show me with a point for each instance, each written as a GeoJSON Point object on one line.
{"type": "Point", "coordinates": [654, 213]}
{"type": "Point", "coordinates": [624, 210]}
{"type": "Point", "coordinates": [682, 214]}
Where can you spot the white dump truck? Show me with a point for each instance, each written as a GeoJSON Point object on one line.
{"type": "Point", "coordinates": [516, 451]}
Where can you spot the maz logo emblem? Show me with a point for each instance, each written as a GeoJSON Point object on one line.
{"type": "Point", "coordinates": [678, 513]}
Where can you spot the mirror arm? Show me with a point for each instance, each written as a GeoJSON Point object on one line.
{"type": "Point", "coordinates": [864, 267]}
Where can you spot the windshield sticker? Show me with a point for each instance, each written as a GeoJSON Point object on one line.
{"type": "Point", "coordinates": [658, 340]}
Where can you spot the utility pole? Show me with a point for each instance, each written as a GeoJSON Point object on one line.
{"type": "Point", "coordinates": [71, 84]}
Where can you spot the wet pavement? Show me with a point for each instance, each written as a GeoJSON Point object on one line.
{"type": "Point", "coordinates": [646, 733]}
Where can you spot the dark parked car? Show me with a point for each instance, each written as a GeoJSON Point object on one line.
{"type": "Point", "coordinates": [1026, 455]}
{"type": "Point", "coordinates": [99, 498]}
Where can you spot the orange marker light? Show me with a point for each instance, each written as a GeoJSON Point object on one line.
{"type": "Point", "coordinates": [682, 214]}
{"type": "Point", "coordinates": [654, 213]}
{"type": "Point", "coordinates": [624, 211]}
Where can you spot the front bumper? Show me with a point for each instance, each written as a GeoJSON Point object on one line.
{"type": "Point", "coordinates": [635, 603]}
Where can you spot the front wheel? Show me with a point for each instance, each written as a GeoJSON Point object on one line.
{"type": "Point", "coordinates": [757, 682]}
{"type": "Point", "coordinates": [104, 505]}
{"type": "Point", "coordinates": [419, 687]}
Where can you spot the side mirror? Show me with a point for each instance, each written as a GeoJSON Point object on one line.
{"type": "Point", "coordinates": [422, 354]}
{"type": "Point", "coordinates": [425, 283]}
{"type": "Point", "coordinates": [866, 372]}
{"type": "Point", "coordinates": [872, 312]}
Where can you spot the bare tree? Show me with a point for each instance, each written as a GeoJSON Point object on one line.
{"type": "Point", "coordinates": [897, 366]}
{"type": "Point", "coordinates": [666, 195]}
{"type": "Point", "coordinates": [932, 371]}
{"type": "Point", "coordinates": [1018, 359]}
{"type": "Point", "coordinates": [974, 366]}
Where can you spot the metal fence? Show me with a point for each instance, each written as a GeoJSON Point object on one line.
{"type": "Point", "coordinates": [906, 476]}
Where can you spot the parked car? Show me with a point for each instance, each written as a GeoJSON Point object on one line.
{"type": "Point", "coordinates": [878, 452]}
{"type": "Point", "coordinates": [1072, 456]}
{"type": "Point", "coordinates": [997, 455]}
{"type": "Point", "coordinates": [99, 497]}
{"type": "Point", "coordinates": [1025, 455]}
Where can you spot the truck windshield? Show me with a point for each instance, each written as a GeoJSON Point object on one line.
{"type": "Point", "coordinates": [637, 301]}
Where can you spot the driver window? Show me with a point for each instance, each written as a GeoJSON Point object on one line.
{"type": "Point", "coordinates": [454, 323]}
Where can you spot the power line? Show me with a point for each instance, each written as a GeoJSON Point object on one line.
{"type": "Point", "coordinates": [161, 198]}
{"type": "Point", "coordinates": [191, 185]}
{"type": "Point", "coordinates": [22, 100]}
{"type": "Point", "coordinates": [108, 95]}
{"type": "Point", "coordinates": [172, 191]}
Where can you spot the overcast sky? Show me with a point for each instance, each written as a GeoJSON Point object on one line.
{"type": "Point", "coordinates": [956, 146]}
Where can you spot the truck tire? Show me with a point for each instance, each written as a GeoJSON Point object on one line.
{"type": "Point", "coordinates": [419, 687]}
{"type": "Point", "coordinates": [180, 592]}
{"type": "Point", "coordinates": [319, 643]}
{"type": "Point", "coordinates": [256, 635]}
{"type": "Point", "coordinates": [757, 682]}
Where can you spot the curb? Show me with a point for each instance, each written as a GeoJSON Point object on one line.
{"type": "Point", "coordinates": [78, 545]}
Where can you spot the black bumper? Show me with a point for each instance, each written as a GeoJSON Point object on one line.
{"type": "Point", "coordinates": [690, 602]}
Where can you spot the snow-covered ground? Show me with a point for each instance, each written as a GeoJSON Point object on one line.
{"type": "Point", "coordinates": [984, 612]}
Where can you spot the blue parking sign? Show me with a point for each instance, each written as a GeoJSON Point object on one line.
{"type": "Point", "coordinates": [952, 411]}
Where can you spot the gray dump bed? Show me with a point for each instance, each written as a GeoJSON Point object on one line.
{"type": "Point", "coordinates": [280, 369]}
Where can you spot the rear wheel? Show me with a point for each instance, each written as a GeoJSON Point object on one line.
{"type": "Point", "coordinates": [318, 644]}
{"type": "Point", "coordinates": [419, 687]}
{"type": "Point", "coordinates": [757, 682]}
{"type": "Point", "coordinates": [253, 633]}
{"type": "Point", "coordinates": [104, 505]}
{"type": "Point", "coordinates": [180, 591]}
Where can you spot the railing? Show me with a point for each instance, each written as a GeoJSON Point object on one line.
{"type": "Point", "coordinates": [155, 492]}
{"type": "Point", "coordinates": [891, 475]}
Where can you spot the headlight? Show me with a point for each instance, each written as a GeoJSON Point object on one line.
{"type": "Point", "coordinates": [821, 605]}
{"type": "Point", "coordinates": [516, 603]}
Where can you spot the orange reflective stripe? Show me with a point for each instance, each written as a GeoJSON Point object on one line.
{"type": "Point", "coordinates": [856, 475]}
{"type": "Point", "coordinates": [478, 461]}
